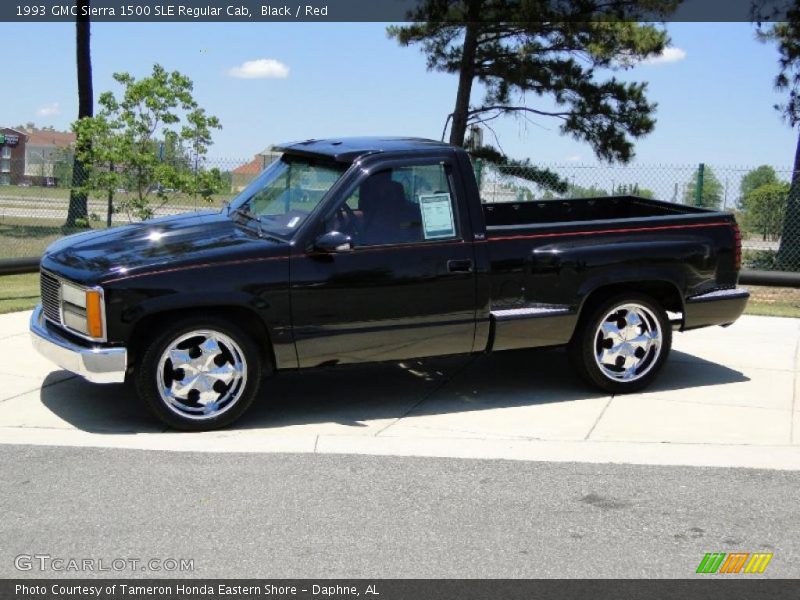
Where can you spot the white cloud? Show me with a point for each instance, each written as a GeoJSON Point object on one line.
{"type": "Point", "coordinates": [48, 110]}
{"type": "Point", "coordinates": [262, 68]}
{"type": "Point", "coordinates": [574, 158]}
{"type": "Point", "coordinates": [669, 55]}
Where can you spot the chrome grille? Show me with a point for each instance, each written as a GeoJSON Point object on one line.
{"type": "Point", "coordinates": [51, 297]}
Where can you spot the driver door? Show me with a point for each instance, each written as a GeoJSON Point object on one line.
{"type": "Point", "coordinates": [406, 289]}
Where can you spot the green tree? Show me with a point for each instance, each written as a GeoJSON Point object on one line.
{"type": "Point", "coordinates": [756, 178]}
{"type": "Point", "coordinates": [765, 209]}
{"type": "Point", "coordinates": [627, 189]}
{"type": "Point", "coordinates": [524, 169]}
{"type": "Point", "coordinates": [150, 139]}
{"type": "Point", "coordinates": [553, 50]}
{"type": "Point", "coordinates": [577, 191]}
{"type": "Point", "coordinates": [712, 193]}
{"type": "Point", "coordinates": [786, 35]}
{"type": "Point", "coordinates": [78, 209]}
{"type": "Point", "coordinates": [63, 167]}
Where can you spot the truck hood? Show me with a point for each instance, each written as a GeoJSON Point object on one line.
{"type": "Point", "coordinates": [205, 237]}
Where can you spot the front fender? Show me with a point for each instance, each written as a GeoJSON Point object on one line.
{"type": "Point", "coordinates": [260, 288]}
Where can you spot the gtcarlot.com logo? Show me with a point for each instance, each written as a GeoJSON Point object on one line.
{"type": "Point", "coordinates": [734, 563]}
{"type": "Point", "coordinates": [59, 564]}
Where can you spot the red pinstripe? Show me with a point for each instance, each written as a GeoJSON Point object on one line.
{"type": "Point", "coordinates": [606, 231]}
{"type": "Point", "coordinates": [447, 243]}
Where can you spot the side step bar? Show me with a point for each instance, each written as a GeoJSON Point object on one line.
{"type": "Point", "coordinates": [531, 327]}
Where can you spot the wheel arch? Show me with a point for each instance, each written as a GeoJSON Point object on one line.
{"type": "Point", "coordinates": [148, 327]}
{"type": "Point", "coordinates": [663, 291]}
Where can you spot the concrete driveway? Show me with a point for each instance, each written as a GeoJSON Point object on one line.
{"type": "Point", "coordinates": [725, 398]}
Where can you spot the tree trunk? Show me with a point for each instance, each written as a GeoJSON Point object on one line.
{"type": "Point", "coordinates": [110, 200]}
{"type": "Point", "coordinates": [466, 75]}
{"type": "Point", "coordinates": [78, 206]}
{"type": "Point", "coordinates": [788, 258]}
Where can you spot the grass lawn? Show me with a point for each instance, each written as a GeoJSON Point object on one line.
{"type": "Point", "coordinates": [773, 302]}
{"type": "Point", "coordinates": [29, 235]}
{"type": "Point", "coordinates": [34, 192]}
{"type": "Point", "coordinates": [21, 292]}
{"type": "Point", "coordinates": [22, 237]}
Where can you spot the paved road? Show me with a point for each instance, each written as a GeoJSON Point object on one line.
{"type": "Point", "coordinates": [353, 516]}
{"type": "Point", "coordinates": [56, 208]}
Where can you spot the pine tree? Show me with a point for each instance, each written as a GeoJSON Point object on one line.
{"type": "Point", "coordinates": [547, 51]}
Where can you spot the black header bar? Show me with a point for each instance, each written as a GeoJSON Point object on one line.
{"type": "Point", "coordinates": [736, 587]}
{"type": "Point", "coordinates": [191, 11]}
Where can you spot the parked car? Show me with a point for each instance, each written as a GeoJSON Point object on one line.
{"type": "Point", "coordinates": [378, 249]}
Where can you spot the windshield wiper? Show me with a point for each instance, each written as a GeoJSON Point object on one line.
{"type": "Point", "coordinates": [245, 212]}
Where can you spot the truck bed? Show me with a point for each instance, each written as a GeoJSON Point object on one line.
{"type": "Point", "coordinates": [527, 214]}
{"type": "Point", "coordinates": [546, 257]}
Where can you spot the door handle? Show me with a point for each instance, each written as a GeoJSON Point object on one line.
{"type": "Point", "coordinates": [459, 266]}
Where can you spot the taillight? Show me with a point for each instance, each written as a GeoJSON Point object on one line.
{"type": "Point", "coordinates": [737, 252]}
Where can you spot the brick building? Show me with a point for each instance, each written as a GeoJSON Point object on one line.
{"type": "Point", "coordinates": [244, 174]}
{"type": "Point", "coordinates": [34, 156]}
{"type": "Point", "coordinates": [12, 156]}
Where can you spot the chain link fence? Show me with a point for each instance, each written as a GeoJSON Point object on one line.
{"type": "Point", "coordinates": [758, 196]}
{"type": "Point", "coordinates": [35, 200]}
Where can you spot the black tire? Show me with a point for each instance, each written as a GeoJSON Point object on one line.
{"type": "Point", "coordinates": [146, 375]}
{"type": "Point", "coordinates": [587, 340]}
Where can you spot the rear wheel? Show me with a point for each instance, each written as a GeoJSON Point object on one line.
{"type": "Point", "coordinates": [199, 374]}
{"type": "Point", "coordinates": [623, 344]}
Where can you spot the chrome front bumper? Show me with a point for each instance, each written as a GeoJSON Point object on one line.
{"type": "Point", "coordinates": [99, 364]}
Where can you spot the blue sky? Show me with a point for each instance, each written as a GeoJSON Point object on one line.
{"type": "Point", "coordinates": [715, 96]}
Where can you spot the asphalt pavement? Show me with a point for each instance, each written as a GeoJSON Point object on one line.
{"type": "Point", "coordinates": [318, 516]}
{"type": "Point", "coordinates": [493, 466]}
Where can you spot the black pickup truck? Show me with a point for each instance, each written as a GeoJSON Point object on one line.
{"type": "Point", "coordinates": [378, 249]}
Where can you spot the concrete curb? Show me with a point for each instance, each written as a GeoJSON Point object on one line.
{"type": "Point", "coordinates": [784, 458]}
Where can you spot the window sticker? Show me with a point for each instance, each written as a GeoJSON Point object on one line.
{"type": "Point", "coordinates": [437, 216]}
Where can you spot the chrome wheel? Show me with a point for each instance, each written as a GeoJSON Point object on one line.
{"type": "Point", "coordinates": [201, 374]}
{"type": "Point", "coordinates": [628, 342]}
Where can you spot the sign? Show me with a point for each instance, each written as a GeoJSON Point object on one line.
{"type": "Point", "coordinates": [437, 216]}
{"type": "Point", "coordinates": [9, 139]}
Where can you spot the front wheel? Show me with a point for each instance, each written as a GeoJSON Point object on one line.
{"type": "Point", "coordinates": [199, 374]}
{"type": "Point", "coordinates": [623, 344]}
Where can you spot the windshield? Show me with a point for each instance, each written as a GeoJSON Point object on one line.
{"type": "Point", "coordinates": [281, 198]}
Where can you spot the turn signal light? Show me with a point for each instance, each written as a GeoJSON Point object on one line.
{"type": "Point", "coordinates": [94, 313]}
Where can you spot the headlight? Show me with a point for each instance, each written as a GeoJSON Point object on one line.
{"type": "Point", "coordinates": [82, 309]}
{"type": "Point", "coordinates": [74, 295]}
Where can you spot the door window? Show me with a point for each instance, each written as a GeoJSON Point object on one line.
{"type": "Point", "coordinates": [407, 204]}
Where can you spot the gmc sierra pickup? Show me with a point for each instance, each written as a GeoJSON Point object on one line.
{"type": "Point", "coordinates": [378, 249]}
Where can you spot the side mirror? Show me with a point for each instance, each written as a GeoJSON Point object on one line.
{"type": "Point", "coordinates": [333, 242]}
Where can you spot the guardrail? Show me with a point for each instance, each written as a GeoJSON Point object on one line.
{"type": "Point", "coordinates": [16, 266]}
{"type": "Point", "coordinates": [785, 279]}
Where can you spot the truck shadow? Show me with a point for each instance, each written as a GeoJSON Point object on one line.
{"type": "Point", "coordinates": [374, 396]}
